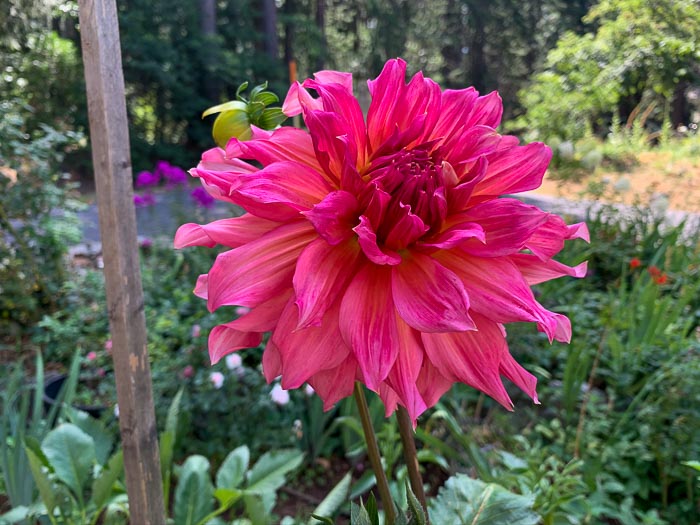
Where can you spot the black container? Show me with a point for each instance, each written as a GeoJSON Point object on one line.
{"type": "Point", "coordinates": [52, 388]}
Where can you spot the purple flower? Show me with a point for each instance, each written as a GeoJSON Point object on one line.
{"type": "Point", "coordinates": [173, 174]}
{"type": "Point", "coordinates": [143, 201]}
{"type": "Point", "coordinates": [146, 179]}
{"type": "Point", "coordinates": [202, 198]}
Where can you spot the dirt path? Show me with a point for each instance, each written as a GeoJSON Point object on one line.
{"type": "Point", "coordinates": [658, 177]}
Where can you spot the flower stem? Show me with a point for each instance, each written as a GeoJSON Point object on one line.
{"type": "Point", "coordinates": [374, 455]}
{"type": "Point", "coordinates": [410, 455]}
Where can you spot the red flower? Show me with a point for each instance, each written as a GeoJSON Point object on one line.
{"type": "Point", "coordinates": [660, 279]}
{"type": "Point", "coordinates": [635, 263]}
{"type": "Point", "coordinates": [654, 271]}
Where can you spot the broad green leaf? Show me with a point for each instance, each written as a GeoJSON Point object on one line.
{"type": "Point", "coordinates": [14, 515]}
{"type": "Point", "coordinates": [41, 478]}
{"type": "Point", "coordinates": [167, 444]}
{"type": "Point", "coordinates": [233, 469]}
{"type": "Point", "coordinates": [415, 507]}
{"type": "Point", "coordinates": [227, 497]}
{"type": "Point", "coordinates": [231, 124]}
{"type": "Point", "coordinates": [335, 498]}
{"type": "Point", "coordinates": [254, 93]}
{"type": "Point", "coordinates": [103, 485]}
{"type": "Point", "coordinates": [236, 105]}
{"type": "Point", "coordinates": [271, 118]}
{"type": "Point", "coordinates": [267, 475]}
{"type": "Point", "coordinates": [95, 429]}
{"type": "Point", "coordinates": [194, 495]}
{"type": "Point", "coordinates": [255, 509]}
{"type": "Point", "coordinates": [265, 98]}
{"type": "Point", "coordinates": [71, 453]}
{"type": "Point", "coordinates": [464, 500]}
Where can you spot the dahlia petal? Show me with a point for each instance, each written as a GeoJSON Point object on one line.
{"type": "Point", "coordinates": [536, 271]}
{"type": "Point", "coordinates": [337, 99]}
{"type": "Point", "coordinates": [228, 232]}
{"type": "Point", "coordinates": [455, 108]}
{"type": "Point", "coordinates": [471, 357]}
{"type": "Point", "coordinates": [322, 273]}
{"type": "Point", "coordinates": [474, 142]}
{"type": "Point", "coordinates": [286, 182]}
{"type": "Point", "coordinates": [201, 287]}
{"type": "Point", "coordinates": [334, 216]}
{"type": "Point", "coordinates": [431, 383]}
{"type": "Point", "coordinates": [486, 111]}
{"type": "Point", "coordinates": [459, 197]}
{"type": "Point", "coordinates": [297, 99]}
{"type": "Point", "coordinates": [368, 323]}
{"type": "Point", "coordinates": [548, 239]}
{"type": "Point", "coordinates": [517, 169]}
{"type": "Point", "coordinates": [307, 351]}
{"type": "Point", "coordinates": [385, 90]}
{"type": "Point", "coordinates": [283, 144]}
{"type": "Point", "coordinates": [336, 383]}
{"type": "Point", "coordinates": [457, 235]}
{"type": "Point", "coordinates": [578, 231]}
{"type": "Point", "coordinates": [253, 273]}
{"type": "Point", "coordinates": [497, 290]}
{"type": "Point", "coordinates": [515, 373]}
{"type": "Point", "coordinates": [390, 399]}
{"type": "Point", "coordinates": [430, 297]}
{"type": "Point", "coordinates": [404, 374]}
{"type": "Point", "coordinates": [333, 148]}
{"type": "Point", "coordinates": [335, 77]}
{"type": "Point", "coordinates": [271, 362]}
{"type": "Point", "coordinates": [263, 317]}
{"type": "Point", "coordinates": [507, 224]}
{"type": "Point", "coordinates": [223, 340]}
{"type": "Point", "coordinates": [368, 242]}
{"type": "Point", "coordinates": [407, 229]}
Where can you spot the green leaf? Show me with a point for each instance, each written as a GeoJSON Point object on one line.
{"type": "Point", "coordinates": [231, 124]}
{"type": "Point", "coordinates": [241, 89]}
{"type": "Point", "coordinates": [232, 105]}
{"type": "Point", "coordinates": [265, 98]}
{"type": "Point", "coordinates": [194, 495]}
{"type": "Point", "coordinates": [167, 444]}
{"type": "Point", "coordinates": [467, 500]}
{"type": "Point", "coordinates": [227, 497]}
{"type": "Point", "coordinates": [372, 510]}
{"type": "Point", "coordinates": [322, 519]}
{"type": "Point", "coordinates": [41, 478]}
{"type": "Point", "coordinates": [171, 421]}
{"type": "Point", "coordinates": [358, 515]}
{"type": "Point", "coordinates": [415, 507]}
{"type": "Point", "coordinates": [232, 471]}
{"type": "Point", "coordinates": [104, 484]}
{"type": "Point", "coordinates": [271, 118]}
{"type": "Point", "coordinates": [332, 502]}
{"type": "Point", "coordinates": [256, 90]}
{"type": "Point", "coordinates": [95, 429]}
{"type": "Point", "coordinates": [256, 509]}
{"type": "Point", "coordinates": [71, 453]}
{"type": "Point", "coordinates": [268, 472]}
{"type": "Point", "coordinates": [14, 515]}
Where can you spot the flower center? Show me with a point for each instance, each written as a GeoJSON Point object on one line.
{"type": "Point", "coordinates": [412, 178]}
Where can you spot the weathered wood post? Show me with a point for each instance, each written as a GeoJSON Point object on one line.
{"type": "Point", "coordinates": [109, 136]}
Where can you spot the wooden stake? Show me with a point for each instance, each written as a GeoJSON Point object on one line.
{"type": "Point", "coordinates": [109, 135]}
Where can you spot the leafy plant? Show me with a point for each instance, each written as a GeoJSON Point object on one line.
{"type": "Point", "coordinates": [467, 500]}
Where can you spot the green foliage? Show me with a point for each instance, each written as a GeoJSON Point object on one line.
{"type": "Point", "coordinates": [467, 500]}
{"type": "Point", "coordinates": [639, 52]}
{"type": "Point", "coordinates": [63, 466]}
{"type": "Point", "coordinates": [37, 215]}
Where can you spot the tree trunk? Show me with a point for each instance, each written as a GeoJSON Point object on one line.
{"type": "Point", "coordinates": [207, 24]}
{"type": "Point", "coordinates": [679, 105]}
{"type": "Point", "coordinates": [270, 29]}
{"type": "Point", "coordinates": [477, 63]}
{"type": "Point", "coordinates": [321, 25]}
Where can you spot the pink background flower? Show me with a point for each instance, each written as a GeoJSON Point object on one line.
{"type": "Point", "coordinates": [378, 248]}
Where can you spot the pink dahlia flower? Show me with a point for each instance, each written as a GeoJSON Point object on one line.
{"type": "Point", "coordinates": [378, 249]}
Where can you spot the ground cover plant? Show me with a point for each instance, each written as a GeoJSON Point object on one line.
{"type": "Point", "coordinates": [612, 92]}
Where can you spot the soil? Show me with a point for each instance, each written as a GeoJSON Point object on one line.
{"type": "Point", "coordinates": [657, 177]}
